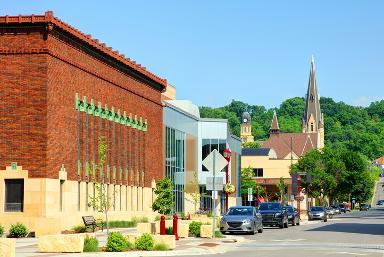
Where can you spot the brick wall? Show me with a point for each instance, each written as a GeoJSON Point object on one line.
{"type": "Point", "coordinates": [47, 84]}
{"type": "Point", "coordinates": [23, 109]}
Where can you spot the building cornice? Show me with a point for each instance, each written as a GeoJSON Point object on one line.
{"type": "Point", "coordinates": [52, 23]}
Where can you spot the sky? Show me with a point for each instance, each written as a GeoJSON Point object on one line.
{"type": "Point", "coordinates": [258, 52]}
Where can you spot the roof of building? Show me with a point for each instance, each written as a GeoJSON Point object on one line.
{"type": "Point", "coordinates": [49, 19]}
{"type": "Point", "coordinates": [274, 123]}
{"type": "Point", "coordinates": [301, 143]}
{"type": "Point", "coordinates": [247, 116]}
{"type": "Point", "coordinates": [312, 101]}
{"type": "Point", "coordinates": [380, 160]}
{"type": "Point", "coordinates": [255, 151]}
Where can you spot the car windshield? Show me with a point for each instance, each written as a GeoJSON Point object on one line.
{"type": "Point", "coordinates": [317, 208]}
{"type": "Point", "coordinates": [240, 211]}
{"type": "Point", "coordinates": [269, 206]}
{"type": "Point", "coordinates": [288, 208]}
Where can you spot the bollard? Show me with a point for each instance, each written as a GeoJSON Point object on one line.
{"type": "Point", "coordinates": [162, 225]}
{"type": "Point", "coordinates": [175, 218]}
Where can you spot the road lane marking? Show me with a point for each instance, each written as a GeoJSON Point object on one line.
{"type": "Point", "coordinates": [361, 254]}
{"type": "Point", "coordinates": [288, 240]}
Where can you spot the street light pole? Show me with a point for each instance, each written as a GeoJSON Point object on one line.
{"type": "Point", "coordinates": [298, 193]}
{"type": "Point", "coordinates": [227, 157]}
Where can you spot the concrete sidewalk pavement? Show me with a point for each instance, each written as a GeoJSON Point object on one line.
{"type": "Point", "coordinates": [27, 247]}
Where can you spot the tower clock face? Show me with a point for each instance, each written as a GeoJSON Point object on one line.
{"type": "Point", "coordinates": [245, 120]}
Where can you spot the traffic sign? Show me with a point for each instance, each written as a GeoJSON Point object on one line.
{"type": "Point", "coordinates": [215, 162]}
{"type": "Point", "coordinates": [219, 182]}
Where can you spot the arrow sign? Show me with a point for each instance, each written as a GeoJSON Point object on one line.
{"type": "Point", "coordinates": [218, 159]}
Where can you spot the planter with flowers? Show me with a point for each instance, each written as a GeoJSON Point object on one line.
{"type": "Point", "coordinates": [229, 188]}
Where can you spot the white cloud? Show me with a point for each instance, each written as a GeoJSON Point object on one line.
{"type": "Point", "coordinates": [365, 101]}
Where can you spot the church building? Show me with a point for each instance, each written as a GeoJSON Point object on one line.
{"type": "Point", "coordinates": [281, 150]}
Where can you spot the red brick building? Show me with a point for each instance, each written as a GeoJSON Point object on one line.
{"type": "Point", "coordinates": [61, 90]}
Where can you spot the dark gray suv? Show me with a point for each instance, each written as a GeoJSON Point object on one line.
{"type": "Point", "coordinates": [274, 214]}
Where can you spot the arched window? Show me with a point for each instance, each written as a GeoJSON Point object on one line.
{"type": "Point", "coordinates": [312, 127]}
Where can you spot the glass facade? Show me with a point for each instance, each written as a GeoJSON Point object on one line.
{"type": "Point", "coordinates": [175, 164]}
{"type": "Point", "coordinates": [208, 145]}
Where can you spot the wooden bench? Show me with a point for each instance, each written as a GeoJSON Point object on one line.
{"type": "Point", "coordinates": [90, 221]}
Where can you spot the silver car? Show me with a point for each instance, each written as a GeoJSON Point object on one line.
{"type": "Point", "coordinates": [242, 219]}
{"type": "Point", "coordinates": [317, 213]}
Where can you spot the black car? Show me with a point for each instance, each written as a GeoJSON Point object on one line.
{"type": "Point", "coordinates": [364, 207]}
{"type": "Point", "coordinates": [293, 215]}
{"type": "Point", "coordinates": [380, 202]}
{"type": "Point", "coordinates": [274, 214]}
{"type": "Point", "coordinates": [342, 208]}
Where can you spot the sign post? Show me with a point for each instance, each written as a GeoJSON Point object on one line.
{"type": "Point", "coordinates": [250, 198]}
{"type": "Point", "coordinates": [215, 162]}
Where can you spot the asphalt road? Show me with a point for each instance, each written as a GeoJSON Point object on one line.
{"type": "Point", "coordinates": [351, 234]}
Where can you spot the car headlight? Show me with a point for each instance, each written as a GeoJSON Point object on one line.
{"type": "Point", "coordinates": [247, 221]}
{"type": "Point", "coordinates": [278, 214]}
{"type": "Point", "coordinates": [321, 213]}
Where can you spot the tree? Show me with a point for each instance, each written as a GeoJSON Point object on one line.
{"type": "Point", "coordinates": [247, 181]}
{"type": "Point", "coordinates": [164, 197]}
{"type": "Point", "coordinates": [281, 187]}
{"type": "Point", "coordinates": [251, 144]}
{"type": "Point", "coordinates": [101, 202]}
{"type": "Point", "coordinates": [196, 190]}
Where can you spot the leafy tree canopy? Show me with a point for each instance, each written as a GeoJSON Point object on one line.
{"type": "Point", "coordinates": [346, 127]}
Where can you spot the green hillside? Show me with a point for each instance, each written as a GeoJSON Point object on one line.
{"type": "Point", "coordinates": [355, 128]}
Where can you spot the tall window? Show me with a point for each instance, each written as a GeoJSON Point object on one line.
{"type": "Point", "coordinates": [61, 194]}
{"type": "Point", "coordinates": [175, 164]}
{"type": "Point", "coordinates": [14, 195]}
{"type": "Point", "coordinates": [208, 145]}
{"type": "Point", "coordinates": [312, 127]}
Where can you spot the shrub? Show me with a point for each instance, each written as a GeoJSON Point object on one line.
{"type": "Point", "coordinates": [218, 234]}
{"type": "Point", "coordinates": [91, 244]}
{"type": "Point", "coordinates": [144, 242]}
{"type": "Point", "coordinates": [116, 242]}
{"type": "Point", "coordinates": [169, 231]}
{"type": "Point", "coordinates": [1, 230]}
{"type": "Point", "coordinates": [194, 228]}
{"type": "Point", "coordinates": [80, 229]}
{"type": "Point", "coordinates": [18, 230]}
{"type": "Point", "coordinates": [160, 247]}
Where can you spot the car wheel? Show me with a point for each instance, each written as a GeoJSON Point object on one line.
{"type": "Point", "coordinates": [260, 230]}
{"type": "Point", "coordinates": [298, 223]}
{"type": "Point", "coordinates": [325, 220]}
{"type": "Point", "coordinates": [281, 225]}
{"type": "Point", "coordinates": [286, 224]}
{"type": "Point", "coordinates": [293, 222]}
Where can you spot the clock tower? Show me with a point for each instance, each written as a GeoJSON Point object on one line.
{"type": "Point", "coordinates": [246, 128]}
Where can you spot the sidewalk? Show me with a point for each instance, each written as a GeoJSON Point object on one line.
{"type": "Point", "coordinates": [27, 247]}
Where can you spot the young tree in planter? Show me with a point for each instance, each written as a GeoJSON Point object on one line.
{"type": "Point", "coordinates": [164, 197]}
{"type": "Point", "coordinates": [196, 190]}
{"type": "Point", "coordinates": [101, 202]}
{"type": "Point", "coordinates": [281, 187]}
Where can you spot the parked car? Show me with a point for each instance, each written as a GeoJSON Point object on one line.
{"type": "Point", "coordinates": [273, 214]}
{"type": "Point", "coordinates": [380, 202]}
{"type": "Point", "coordinates": [317, 213]}
{"type": "Point", "coordinates": [293, 215]}
{"type": "Point", "coordinates": [242, 219]}
{"type": "Point", "coordinates": [342, 207]}
{"type": "Point", "coordinates": [336, 208]}
{"type": "Point", "coordinates": [364, 207]}
{"type": "Point", "coordinates": [330, 212]}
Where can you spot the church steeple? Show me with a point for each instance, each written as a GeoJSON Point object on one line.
{"type": "Point", "coordinates": [312, 118]}
{"type": "Point", "coordinates": [275, 129]}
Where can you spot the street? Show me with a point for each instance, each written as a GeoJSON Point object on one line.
{"type": "Point", "coordinates": [351, 234]}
